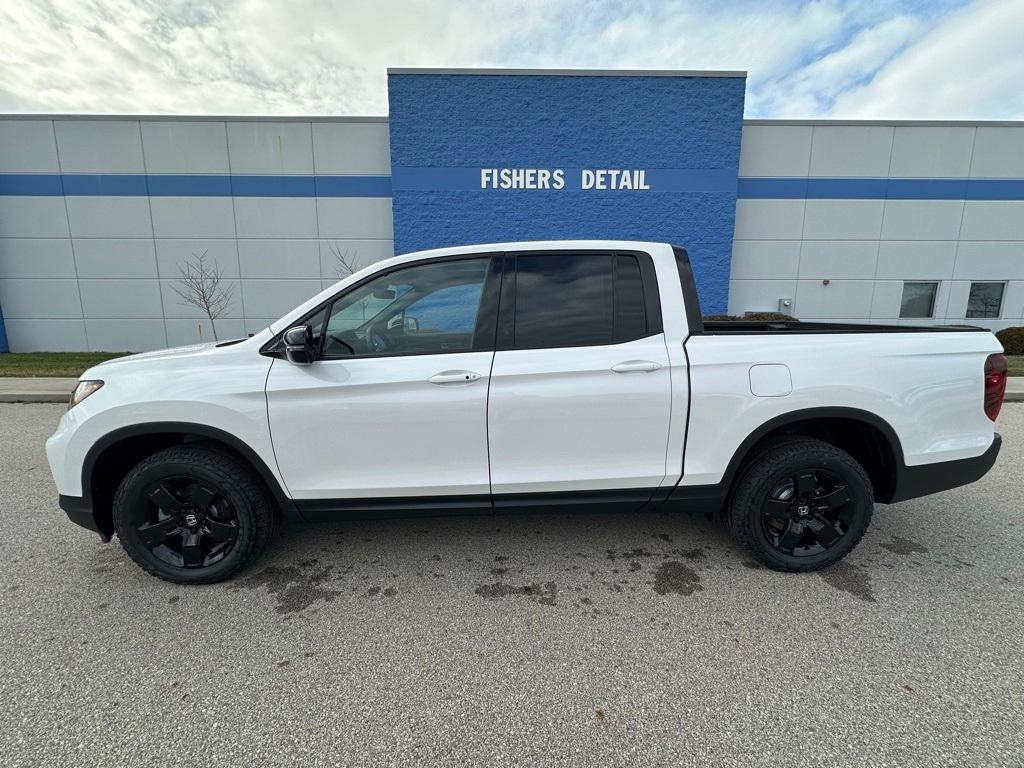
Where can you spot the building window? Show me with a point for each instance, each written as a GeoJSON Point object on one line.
{"type": "Point", "coordinates": [918, 299]}
{"type": "Point", "coordinates": [986, 300]}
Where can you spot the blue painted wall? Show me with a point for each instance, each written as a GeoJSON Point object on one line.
{"type": "Point", "coordinates": [685, 131]}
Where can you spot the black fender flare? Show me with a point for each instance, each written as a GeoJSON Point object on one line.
{"type": "Point", "coordinates": [710, 498]}
{"type": "Point", "coordinates": [188, 428]}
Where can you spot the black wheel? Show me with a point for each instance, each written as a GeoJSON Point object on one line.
{"type": "Point", "coordinates": [192, 514]}
{"type": "Point", "coordinates": [800, 504]}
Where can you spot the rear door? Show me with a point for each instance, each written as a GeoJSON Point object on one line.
{"type": "Point", "coordinates": [580, 397]}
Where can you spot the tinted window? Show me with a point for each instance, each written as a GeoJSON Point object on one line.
{"type": "Point", "coordinates": [918, 299]}
{"type": "Point", "coordinates": [985, 299]}
{"type": "Point", "coordinates": [451, 309]}
{"type": "Point", "coordinates": [573, 300]}
{"type": "Point", "coordinates": [630, 313]}
{"type": "Point", "coordinates": [426, 309]}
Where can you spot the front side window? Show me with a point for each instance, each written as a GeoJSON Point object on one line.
{"type": "Point", "coordinates": [918, 299]}
{"type": "Point", "coordinates": [985, 300]}
{"type": "Point", "coordinates": [420, 310]}
{"type": "Point", "coordinates": [574, 300]}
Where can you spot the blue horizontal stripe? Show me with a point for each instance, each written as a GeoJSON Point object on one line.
{"type": "Point", "coordinates": [114, 184]}
{"type": "Point", "coordinates": [273, 186]}
{"type": "Point", "coordinates": [411, 179]}
{"type": "Point", "coordinates": [33, 184]}
{"type": "Point", "coordinates": [468, 179]}
{"type": "Point", "coordinates": [880, 189]}
{"type": "Point", "coordinates": [192, 185]}
{"type": "Point", "coordinates": [353, 186]}
{"type": "Point", "coordinates": [168, 185]}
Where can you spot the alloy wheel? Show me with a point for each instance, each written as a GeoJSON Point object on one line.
{"type": "Point", "coordinates": [807, 512]}
{"type": "Point", "coordinates": [188, 522]}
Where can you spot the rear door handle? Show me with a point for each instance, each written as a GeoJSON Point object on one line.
{"type": "Point", "coordinates": [636, 366]}
{"type": "Point", "coordinates": [454, 377]}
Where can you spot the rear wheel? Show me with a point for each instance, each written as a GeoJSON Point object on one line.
{"type": "Point", "coordinates": [192, 515]}
{"type": "Point", "coordinates": [801, 504]}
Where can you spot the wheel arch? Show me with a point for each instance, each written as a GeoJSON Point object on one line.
{"type": "Point", "coordinates": [864, 435]}
{"type": "Point", "coordinates": [112, 456]}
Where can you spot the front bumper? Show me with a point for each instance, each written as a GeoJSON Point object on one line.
{"type": "Point", "coordinates": [80, 512]}
{"type": "Point", "coordinates": [926, 479]}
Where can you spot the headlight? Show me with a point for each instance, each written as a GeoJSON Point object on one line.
{"type": "Point", "coordinates": [83, 390]}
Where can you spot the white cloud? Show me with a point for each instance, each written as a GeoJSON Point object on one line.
{"type": "Point", "coordinates": [811, 89]}
{"type": "Point", "coordinates": [970, 67]}
{"type": "Point", "coordinates": [805, 59]}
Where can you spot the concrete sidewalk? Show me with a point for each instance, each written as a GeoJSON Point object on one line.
{"type": "Point", "coordinates": [36, 389]}
{"type": "Point", "coordinates": [54, 390]}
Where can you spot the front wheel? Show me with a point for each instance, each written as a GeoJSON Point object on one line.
{"type": "Point", "coordinates": [192, 514]}
{"type": "Point", "coordinates": [801, 504]}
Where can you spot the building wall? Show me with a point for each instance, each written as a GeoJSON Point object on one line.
{"type": "Point", "coordinates": [98, 216]}
{"type": "Point", "coordinates": [683, 129]}
{"type": "Point", "coordinates": [838, 215]}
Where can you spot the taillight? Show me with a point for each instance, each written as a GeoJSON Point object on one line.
{"type": "Point", "coordinates": [995, 384]}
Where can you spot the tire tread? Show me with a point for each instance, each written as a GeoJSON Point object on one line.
{"type": "Point", "coordinates": [758, 469]}
{"type": "Point", "coordinates": [235, 474]}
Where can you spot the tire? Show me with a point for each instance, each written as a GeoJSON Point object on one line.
{"type": "Point", "coordinates": [193, 514]}
{"type": "Point", "coordinates": [800, 504]}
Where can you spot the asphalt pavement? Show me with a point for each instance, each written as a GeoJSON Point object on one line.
{"type": "Point", "coordinates": [588, 640]}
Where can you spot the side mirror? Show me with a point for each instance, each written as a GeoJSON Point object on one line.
{"type": "Point", "coordinates": [298, 345]}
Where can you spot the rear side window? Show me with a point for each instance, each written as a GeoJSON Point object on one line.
{"type": "Point", "coordinates": [576, 300]}
{"type": "Point", "coordinates": [630, 310]}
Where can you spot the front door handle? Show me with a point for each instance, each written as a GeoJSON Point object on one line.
{"type": "Point", "coordinates": [636, 366]}
{"type": "Point", "coordinates": [454, 377]}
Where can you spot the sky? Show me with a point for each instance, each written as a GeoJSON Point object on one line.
{"type": "Point", "coordinates": [947, 59]}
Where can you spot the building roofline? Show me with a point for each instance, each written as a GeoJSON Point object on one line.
{"type": "Point", "coordinates": [900, 123]}
{"type": "Point", "coordinates": [384, 119]}
{"type": "Point", "coordinates": [569, 72]}
{"type": "Point", "coordinates": [198, 118]}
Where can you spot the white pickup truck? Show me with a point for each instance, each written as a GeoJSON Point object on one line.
{"type": "Point", "coordinates": [535, 376]}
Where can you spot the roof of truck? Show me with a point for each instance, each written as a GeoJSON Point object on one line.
{"type": "Point", "coordinates": [540, 245]}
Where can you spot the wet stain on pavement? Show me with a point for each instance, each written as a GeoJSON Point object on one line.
{"type": "Point", "coordinates": [294, 588]}
{"type": "Point", "coordinates": [850, 579]}
{"type": "Point", "coordinates": [546, 594]}
{"type": "Point", "coordinates": [901, 546]}
{"type": "Point", "coordinates": [632, 554]}
{"type": "Point", "coordinates": [676, 578]}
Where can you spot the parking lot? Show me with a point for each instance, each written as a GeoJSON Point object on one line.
{"type": "Point", "coordinates": [532, 640]}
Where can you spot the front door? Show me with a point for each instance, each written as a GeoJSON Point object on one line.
{"type": "Point", "coordinates": [396, 403]}
{"type": "Point", "coordinates": [581, 395]}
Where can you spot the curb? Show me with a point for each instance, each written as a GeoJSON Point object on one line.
{"type": "Point", "coordinates": [35, 398]}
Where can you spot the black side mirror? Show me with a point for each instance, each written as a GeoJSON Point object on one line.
{"type": "Point", "coordinates": [298, 345]}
